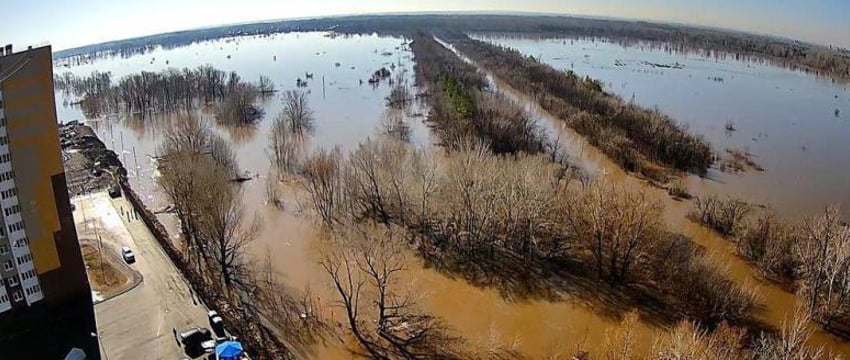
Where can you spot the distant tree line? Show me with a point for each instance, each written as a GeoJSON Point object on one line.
{"type": "Point", "coordinates": [827, 61]}
{"type": "Point", "coordinates": [166, 91]}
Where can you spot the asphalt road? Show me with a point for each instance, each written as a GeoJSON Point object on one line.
{"type": "Point", "coordinates": [139, 323]}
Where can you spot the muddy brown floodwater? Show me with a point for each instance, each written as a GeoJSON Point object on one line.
{"type": "Point", "coordinates": [346, 113]}
{"type": "Point", "coordinates": [776, 305]}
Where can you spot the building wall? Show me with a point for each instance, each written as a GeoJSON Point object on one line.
{"type": "Point", "coordinates": [47, 275]}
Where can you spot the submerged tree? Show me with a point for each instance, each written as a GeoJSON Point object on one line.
{"type": "Point", "coordinates": [226, 230]}
{"type": "Point", "coordinates": [286, 146]}
{"type": "Point", "coordinates": [365, 267]}
{"type": "Point", "coordinates": [265, 86]}
{"type": "Point", "coordinates": [616, 225]}
{"type": "Point", "coordinates": [296, 111]}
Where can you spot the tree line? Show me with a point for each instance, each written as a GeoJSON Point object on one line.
{"type": "Point", "coordinates": [828, 61]}
{"type": "Point", "coordinates": [823, 60]}
{"type": "Point", "coordinates": [463, 109]}
{"type": "Point", "coordinates": [168, 90]}
{"type": "Point", "coordinates": [687, 340]}
{"type": "Point", "coordinates": [197, 168]}
{"type": "Point", "coordinates": [516, 221]}
{"type": "Point", "coordinates": [634, 137]}
{"type": "Point", "coordinates": [810, 256]}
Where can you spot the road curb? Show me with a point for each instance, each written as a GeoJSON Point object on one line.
{"type": "Point", "coordinates": [136, 277]}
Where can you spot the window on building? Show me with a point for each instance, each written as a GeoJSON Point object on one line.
{"type": "Point", "coordinates": [7, 193]}
{"type": "Point", "coordinates": [12, 281]}
{"type": "Point", "coordinates": [22, 242]}
{"type": "Point", "coordinates": [7, 265]}
{"type": "Point", "coordinates": [12, 210]}
{"type": "Point", "coordinates": [16, 296]}
{"type": "Point", "coordinates": [4, 298]}
{"type": "Point", "coordinates": [16, 226]}
{"type": "Point", "coordinates": [2, 121]}
{"type": "Point", "coordinates": [24, 259]}
{"type": "Point", "coordinates": [4, 249]}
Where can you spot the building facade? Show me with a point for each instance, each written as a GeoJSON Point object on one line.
{"type": "Point", "coordinates": [45, 299]}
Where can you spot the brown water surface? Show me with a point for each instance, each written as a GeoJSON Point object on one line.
{"type": "Point", "coordinates": [347, 112]}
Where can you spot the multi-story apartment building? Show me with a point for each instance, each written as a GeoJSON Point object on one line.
{"type": "Point", "coordinates": [45, 300]}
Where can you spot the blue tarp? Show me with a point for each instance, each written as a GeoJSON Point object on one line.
{"type": "Point", "coordinates": [229, 350]}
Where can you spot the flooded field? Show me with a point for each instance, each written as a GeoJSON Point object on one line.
{"type": "Point", "coordinates": [796, 125]}
{"type": "Point", "coordinates": [346, 110]}
{"type": "Point", "coordinates": [787, 119]}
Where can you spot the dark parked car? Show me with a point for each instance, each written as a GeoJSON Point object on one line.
{"type": "Point", "coordinates": [217, 324]}
{"type": "Point", "coordinates": [114, 191]}
{"type": "Point", "coordinates": [193, 340]}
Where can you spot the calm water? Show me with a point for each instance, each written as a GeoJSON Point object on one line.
{"type": "Point", "coordinates": [785, 118]}
{"type": "Point", "coordinates": [345, 113]}
{"type": "Point", "coordinates": [782, 110]}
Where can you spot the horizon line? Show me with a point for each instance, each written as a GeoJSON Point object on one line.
{"type": "Point", "coordinates": [461, 12]}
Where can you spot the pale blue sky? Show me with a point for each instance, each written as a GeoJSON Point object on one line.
{"type": "Point", "coordinates": [66, 23]}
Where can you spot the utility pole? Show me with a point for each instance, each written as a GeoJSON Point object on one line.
{"type": "Point", "coordinates": [136, 161]}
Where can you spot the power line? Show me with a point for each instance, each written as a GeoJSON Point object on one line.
{"type": "Point", "coordinates": [15, 68]}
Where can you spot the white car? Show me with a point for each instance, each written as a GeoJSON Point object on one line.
{"type": "Point", "coordinates": [128, 255]}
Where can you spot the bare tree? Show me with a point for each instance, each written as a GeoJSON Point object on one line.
{"type": "Point", "coordinates": [286, 146]}
{"type": "Point", "coordinates": [349, 282]}
{"type": "Point", "coordinates": [725, 216]}
{"type": "Point", "coordinates": [616, 225]}
{"type": "Point", "coordinates": [394, 126]}
{"type": "Point", "coordinates": [824, 252]}
{"type": "Point", "coordinates": [364, 267]}
{"type": "Point", "coordinates": [791, 341]}
{"type": "Point", "coordinates": [226, 230]}
{"type": "Point", "coordinates": [265, 85]}
{"type": "Point", "coordinates": [323, 181]}
{"type": "Point", "coordinates": [689, 341]}
{"type": "Point", "coordinates": [400, 95]}
{"type": "Point", "coordinates": [296, 111]}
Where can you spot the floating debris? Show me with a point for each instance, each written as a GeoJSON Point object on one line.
{"type": "Point", "coordinates": [837, 112]}
{"type": "Point", "coordinates": [337, 64]}
{"type": "Point", "coordinates": [716, 78]}
{"type": "Point", "coordinates": [379, 75]}
{"type": "Point", "coordinates": [675, 65]}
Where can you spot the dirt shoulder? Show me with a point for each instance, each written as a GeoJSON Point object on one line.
{"type": "Point", "coordinates": [108, 275]}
